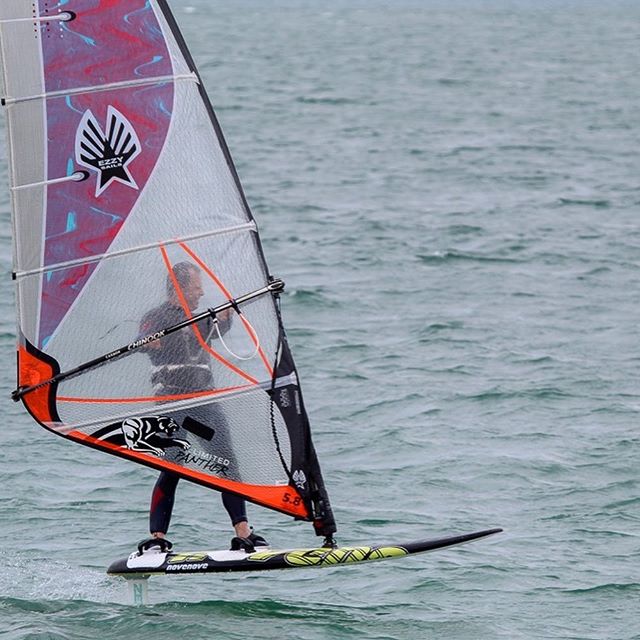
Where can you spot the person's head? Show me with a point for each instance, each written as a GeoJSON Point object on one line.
{"type": "Point", "coordinates": [187, 277]}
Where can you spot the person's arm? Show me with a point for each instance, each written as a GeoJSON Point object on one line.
{"type": "Point", "coordinates": [225, 318]}
{"type": "Point", "coordinates": [147, 327]}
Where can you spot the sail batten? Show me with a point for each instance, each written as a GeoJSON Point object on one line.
{"type": "Point", "coordinates": [75, 177]}
{"type": "Point", "coordinates": [63, 17]}
{"type": "Point", "coordinates": [191, 401]}
{"type": "Point", "coordinates": [248, 226]}
{"type": "Point", "coordinates": [101, 87]}
{"type": "Point", "coordinates": [129, 219]}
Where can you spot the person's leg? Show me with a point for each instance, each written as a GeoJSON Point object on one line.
{"type": "Point", "coordinates": [237, 509]}
{"type": "Point", "coordinates": [162, 500]}
{"type": "Point", "coordinates": [245, 538]}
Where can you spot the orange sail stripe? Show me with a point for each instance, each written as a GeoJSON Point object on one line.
{"type": "Point", "coordinates": [205, 268]}
{"type": "Point", "coordinates": [134, 400]}
{"type": "Point", "coordinates": [31, 371]}
{"type": "Point", "coordinates": [229, 296]}
{"type": "Point", "coordinates": [283, 498]}
{"type": "Point", "coordinates": [195, 329]}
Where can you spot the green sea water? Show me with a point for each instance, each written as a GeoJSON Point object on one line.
{"type": "Point", "coordinates": [451, 191]}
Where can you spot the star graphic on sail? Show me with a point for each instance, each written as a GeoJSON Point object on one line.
{"type": "Point", "coordinates": [108, 154]}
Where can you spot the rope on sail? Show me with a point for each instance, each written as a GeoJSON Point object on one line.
{"type": "Point", "coordinates": [272, 393]}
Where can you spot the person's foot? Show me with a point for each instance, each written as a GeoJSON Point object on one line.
{"type": "Point", "coordinates": [249, 543]}
{"type": "Point", "coordinates": [242, 529]}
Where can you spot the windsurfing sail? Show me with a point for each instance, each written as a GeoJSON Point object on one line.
{"type": "Point", "coordinates": [148, 322]}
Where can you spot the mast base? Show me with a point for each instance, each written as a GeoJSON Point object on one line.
{"type": "Point", "coordinates": [329, 543]}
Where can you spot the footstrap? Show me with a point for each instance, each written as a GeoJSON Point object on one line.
{"type": "Point", "coordinates": [162, 544]}
{"type": "Point", "coordinates": [242, 544]}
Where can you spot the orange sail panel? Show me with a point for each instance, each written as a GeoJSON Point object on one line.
{"type": "Point", "coordinates": [282, 498]}
{"type": "Point", "coordinates": [33, 369]}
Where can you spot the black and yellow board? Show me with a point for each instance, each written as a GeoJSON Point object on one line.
{"type": "Point", "coordinates": [154, 563]}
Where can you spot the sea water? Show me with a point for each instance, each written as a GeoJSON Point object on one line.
{"type": "Point", "coordinates": [451, 191]}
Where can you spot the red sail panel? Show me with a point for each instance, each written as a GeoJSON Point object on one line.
{"type": "Point", "coordinates": [102, 132]}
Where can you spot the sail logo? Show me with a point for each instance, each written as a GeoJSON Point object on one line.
{"type": "Point", "coordinates": [145, 434]}
{"type": "Point", "coordinates": [284, 398]}
{"type": "Point", "coordinates": [110, 153]}
{"type": "Point", "coordinates": [299, 478]}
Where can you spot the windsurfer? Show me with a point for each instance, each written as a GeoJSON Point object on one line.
{"type": "Point", "coordinates": [181, 366]}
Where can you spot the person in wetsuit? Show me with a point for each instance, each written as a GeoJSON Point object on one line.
{"type": "Point", "coordinates": [181, 366]}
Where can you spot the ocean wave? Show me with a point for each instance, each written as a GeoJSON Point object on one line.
{"type": "Point", "coordinates": [452, 255]}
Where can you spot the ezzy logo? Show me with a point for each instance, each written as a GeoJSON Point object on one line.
{"type": "Point", "coordinates": [108, 153]}
{"type": "Point", "coordinates": [152, 434]}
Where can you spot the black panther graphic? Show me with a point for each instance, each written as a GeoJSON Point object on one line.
{"type": "Point", "coordinates": [152, 434]}
{"type": "Point", "coordinates": [148, 434]}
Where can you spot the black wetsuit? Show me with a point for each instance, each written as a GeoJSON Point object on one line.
{"type": "Point", "coordinates": [181, 365]}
